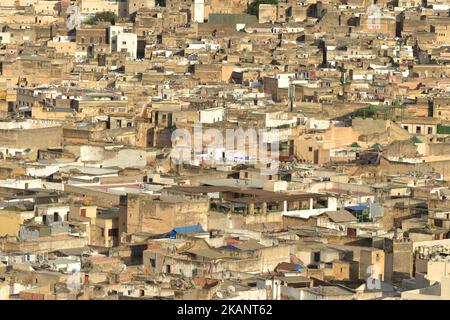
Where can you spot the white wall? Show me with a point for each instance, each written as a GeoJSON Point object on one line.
{"type": "Point", "coordinates": [113, 32]}
{"type": "Point", "coordinates": [20, 184]}
{"type": "Point", "coordinates": [332, 206]}
{"type": "Point", "coordinates": [199, 11]}
{"type": "Point", "coordinates": [127, 42]}
{"type": "Point", "coordinates": [122, 158]}
{"type": "Point", "coordinates": [5, 37]}
{"type": "Point", "coordinates": [42, 171]}
{"type": "Point", "coordinates": [126, 158]}
{"type": "Point", "coordinates": [212, 115]}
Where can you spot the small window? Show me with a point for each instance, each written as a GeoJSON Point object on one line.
{"type": "Point", "coordinates": [113, 232]}
{"type": "Point", "coordinates": [316, 256]}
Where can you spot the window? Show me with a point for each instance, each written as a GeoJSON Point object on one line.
{"type": "Point", "coordinates": [418, 129]}
{"type": "Point", "coordinates": [55, 217]}
{"type": "Point", "coordinates": [113, 232]}
{"type": "Point", "coordinates": [317, 256]}
{"type": "Point", "coordinates": [310, 149]}
{"type": "Point", "coordinates": [153, 263]}
{"type": "Point", "coordinates": [430, 130]}
{"type": "Point", "coordinates": [83, 213]}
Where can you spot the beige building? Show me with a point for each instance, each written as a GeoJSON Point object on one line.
{"type": "Point", "coordinates": [10, 221]}
{"type": "Point", "coordinates": [135, 5]}
{"type": "Point", "coordinates": [97, 6]}
{"type": "Point", "coordinates": [442, 32]}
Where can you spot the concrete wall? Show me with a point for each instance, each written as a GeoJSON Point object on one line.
{"type": "Point", "coordinates": [369, 126]}
{"type": "Point", "coordinates": [122, 158]}
{"type": "Point", "coordinates": [42, 245]}
{"type": "Point", "coordinates": [10, 222]}
{"type": "Point", "coordinates": [144, 214]}
{"type": "Point", "coordinates": [97, 197]}
{"type": "Point", "coordinates": [32, 138]}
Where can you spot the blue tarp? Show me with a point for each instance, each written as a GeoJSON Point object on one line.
{"type": "Point", "coordinates": [357, 208]}
{"type": "Point", "coordinates": [173, 234]}
{"type": "Point", "coordinates": [230, 247]}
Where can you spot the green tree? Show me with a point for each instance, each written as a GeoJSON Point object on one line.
{"type": "Point", "coordinates": [106, 16]}
{"type": "Point", "coordinates": [253, 8]}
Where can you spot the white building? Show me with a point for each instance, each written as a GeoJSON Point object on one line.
{"type": "Point", "coordinates": [124, 42]}
{"type": "Point", "coordinates": [199, 11]}
{"type": "Point", "coordinates": [5, 37]}
{"type": "Point", "coordinates": [212, 115]}
{"type": "Point", "coordinates": [113, 32]}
